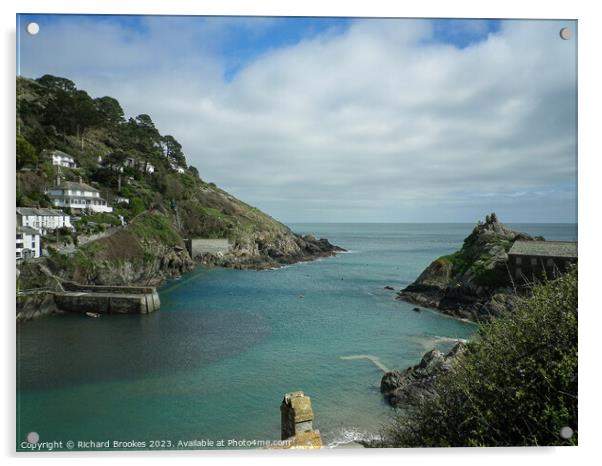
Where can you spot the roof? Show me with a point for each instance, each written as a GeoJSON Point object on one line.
{"type": "Point", "coordinates": [544, 248]}
{"type": "Point", "coordinates": [28, 230]}
{"type": "Point", "coordinates": [27, 211]}
{"type": "Point", "coordinates": [59, 152]}
{"type": "Point", "coordinates": [74, 185]}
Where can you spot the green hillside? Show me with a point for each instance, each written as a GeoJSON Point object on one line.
{"type": "Point", "coordinates": [165, 206]}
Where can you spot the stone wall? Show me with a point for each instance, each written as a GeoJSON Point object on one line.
{"type": "Point", "coordinates": [199, 246]}
{"type": "Point", "coordinates": [530, 268]}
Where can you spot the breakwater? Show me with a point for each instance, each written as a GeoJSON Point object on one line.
{"type": "Point", "coordinates": [79, 298]}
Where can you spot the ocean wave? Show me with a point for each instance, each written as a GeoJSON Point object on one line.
{"type": "Point", "coordinates": [455, 340]}
{"type": "Point", "coordinates": [349, 435]}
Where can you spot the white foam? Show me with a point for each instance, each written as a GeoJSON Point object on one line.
{"type": "Point", "coordinates": [455, 340]}
{"type": "Point", "coordinates": [348, 435]}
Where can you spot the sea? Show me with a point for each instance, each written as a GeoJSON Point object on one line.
{"type": "Point", "coordinates": [212, 366]}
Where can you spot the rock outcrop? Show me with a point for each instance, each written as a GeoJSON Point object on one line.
{"type": "Point", "coordinates": [265, 252]}
{"type": "Point", "coordinates": [415, 384]}
{"type": "Point", "coordinates": [474, 282]}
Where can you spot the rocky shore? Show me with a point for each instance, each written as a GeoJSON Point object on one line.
{"type": "Point", "coordinates": [416, 383]}
{"type": "Point", "coordinates": [132, 256]}
{"type": "Point", "coordinates": [472, 283]}
{"type": "Point", "coordinates": [283, 250]}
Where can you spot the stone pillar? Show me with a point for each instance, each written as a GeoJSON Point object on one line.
{"type": "Point", "coordinates": [297, 422]}
{"type": "Point", "coordinates": [296, 414]}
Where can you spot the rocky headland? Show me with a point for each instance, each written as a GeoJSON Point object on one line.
{"type": "Point", "coordinates": [141, 240]}
{"type": "Point", "coordinates": [472, 283]}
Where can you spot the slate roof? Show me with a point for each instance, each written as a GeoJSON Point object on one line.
{"type": "Point", "coordinates": [28, 230]}
{"type": "Point", "coordinates": [27, 211]}
{"type": "Point", "coordinates": [76, 186]}
{"type": "Point", "coordinates": [544, 248]}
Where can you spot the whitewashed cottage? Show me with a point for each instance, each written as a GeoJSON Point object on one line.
{"type": "Point", "coordinates": [77, 196]}
{"type": "Point", "coordinates": [27, 243]}
{"type": "Point", "coordinates": [60, 158]}
{"type": "Point", "coordinates": [44, 220]}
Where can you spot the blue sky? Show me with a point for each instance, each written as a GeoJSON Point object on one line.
{"type": "Point", "coordinates": [343, 119]}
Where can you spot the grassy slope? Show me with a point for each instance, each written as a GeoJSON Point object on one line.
{"type": "Point", "coordinates": [165, 207]}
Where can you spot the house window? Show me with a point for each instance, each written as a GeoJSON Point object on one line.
{"type": "Point", "coordinates": [533, 261]}
{"type": "Point", "coordinates": [519, 260]}
{"type": "Point", "coordinates": [550, 262]}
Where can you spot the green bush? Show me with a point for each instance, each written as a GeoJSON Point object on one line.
{"type": "Point", "coordinates": [516, 384]}
{"type": "Point", "coordinates": [151, 226]}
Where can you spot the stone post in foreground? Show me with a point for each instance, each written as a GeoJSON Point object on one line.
{"type": "Point", "coordinates": [297, 421]}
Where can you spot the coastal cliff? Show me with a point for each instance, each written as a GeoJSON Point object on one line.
{"type": "Point", "coordinates": [152, 200]}
{"type": "Point", "coordinates": [474, 282]}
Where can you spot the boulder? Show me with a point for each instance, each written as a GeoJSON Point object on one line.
{"type": "Point", "coordinates": [416, 383]}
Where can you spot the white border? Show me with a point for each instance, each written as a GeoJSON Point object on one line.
{"type": "Point", "coordinates": [589, 212]}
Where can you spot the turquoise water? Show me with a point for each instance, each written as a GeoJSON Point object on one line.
{"type": "Point", "coordinates": [226, 345]}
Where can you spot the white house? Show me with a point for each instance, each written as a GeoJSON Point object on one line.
{"type": "Point", "coordinates": [121, 200]}
{"type": "Point", "coordinates": [78, 196]}
{"type": "Point", "coordinates": [140, 165]}
{"type": "Point", "coordinates": [61, 159]}
{"type": "Point", "coordinates": [28, 243]}
{"type": "Point", "coordinates": [43, 220]}
{"type": "Point", "coordinates": [177, 168]}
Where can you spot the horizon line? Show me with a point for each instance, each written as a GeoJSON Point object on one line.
{"type": "Point", "coordinates": [434, 223]}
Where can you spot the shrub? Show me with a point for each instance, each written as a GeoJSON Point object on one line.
{"type": "Point", "coordinates": [515, 385]}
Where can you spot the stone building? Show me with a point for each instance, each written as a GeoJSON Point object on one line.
{"type": "Point", "coordinates": [528, 260]}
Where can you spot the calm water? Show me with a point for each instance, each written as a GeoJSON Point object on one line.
{"type": "Point", "coordinates": [227, 344]}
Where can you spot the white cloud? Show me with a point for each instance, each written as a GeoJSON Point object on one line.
{"type": "Point", "coordinates": [378, 123]}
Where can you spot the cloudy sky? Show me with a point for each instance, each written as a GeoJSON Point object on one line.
{"type": "Point", "coordinates": [344, 120]}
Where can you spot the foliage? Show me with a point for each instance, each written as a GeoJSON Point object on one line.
{"type": "Point", "coordinates": [165, 205]}
{"type": "Point", "coordinates": [515, 385]}
{"type": "Point", "coordinates": [26, 153]}
{"type": "Point", "coordinates": [153, 226]}
{"type": "Point", "coordinates": [137, 206]}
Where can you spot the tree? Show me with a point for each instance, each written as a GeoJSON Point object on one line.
{"type": "Point", "coordinates": [115, 160]}
{"type": "Point", "coordinates": [26, 153]}
{"type": "Point", "coordinates": [57, 84]}
{"type": "Point", "coordinates": [110, 111]}
{"type": "Point", "coordinates": [69, 110]}
{"type": "Point", "coordinates": [172, 150]}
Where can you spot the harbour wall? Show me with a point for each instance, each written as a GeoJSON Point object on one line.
{"type": "Point", "coordinates": [88, 298]}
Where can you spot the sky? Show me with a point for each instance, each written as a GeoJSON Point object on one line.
{"type": "Point", "coordinates": [343, 119]}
